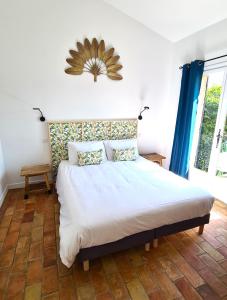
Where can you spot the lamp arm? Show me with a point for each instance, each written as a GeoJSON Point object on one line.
{"type": "Point", "coordinates": [142, 111]}
{"type": "Point", "coordinates": [140, 115]}
{"type": "Point", "coordinates": [40, 112]}
{"type": "Point", "coordinates": [42, 118]}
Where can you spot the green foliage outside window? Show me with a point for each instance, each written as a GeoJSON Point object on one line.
{"type": "Point", "coordinates": [208, 126]}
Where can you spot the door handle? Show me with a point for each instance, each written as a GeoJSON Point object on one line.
{"type": "Point", "coordinates": [219, 137]}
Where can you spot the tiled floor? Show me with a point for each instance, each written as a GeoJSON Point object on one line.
{"type": "Point", "coordinates": [184, 266]}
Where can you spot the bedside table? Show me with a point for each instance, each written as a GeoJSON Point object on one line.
{"type": "Point", "coordinates": [35, 171]}
{"type": "Point", "coordinates": [155, 157]}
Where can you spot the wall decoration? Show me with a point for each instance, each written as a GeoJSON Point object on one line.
{"type": "Point", "coordinates": [93, 57]}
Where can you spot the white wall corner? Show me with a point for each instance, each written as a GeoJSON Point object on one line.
{"type": "Point", "coordinates": [3, 183]}
{"type": "Point", "coordinates": [3, 195]}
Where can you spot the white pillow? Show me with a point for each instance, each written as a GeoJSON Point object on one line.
{"type": "Point", "coordinates": [119, 144]}
{"type": "Point", "coordinates": [74, 147]}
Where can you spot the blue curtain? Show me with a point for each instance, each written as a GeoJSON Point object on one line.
{"type": "Point", "coordinates": [185, 124]}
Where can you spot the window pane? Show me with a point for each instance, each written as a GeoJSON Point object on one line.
{"type": "Point", "coordinates": [210, 110]}
{"type": "Point", "coordinates": [222, 158]}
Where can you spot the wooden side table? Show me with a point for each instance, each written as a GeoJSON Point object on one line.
{"type": "Point", "coordinates": [155, 157]}
{"type": "Point", "coordinates": [35, 171]}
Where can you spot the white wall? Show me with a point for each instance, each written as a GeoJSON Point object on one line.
{"type": "Point", "coordinates": [3, 185]}
{"type": "Point", "coordinates": [205, 44]}
{"type": "Point", "coordinates": [35, 39]}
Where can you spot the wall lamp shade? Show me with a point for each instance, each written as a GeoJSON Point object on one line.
{"type": "Point", "coordinates": [42, 118]}
{"type": "Point", "coordinates": [140, 115]}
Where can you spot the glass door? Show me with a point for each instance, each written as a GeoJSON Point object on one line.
{"type": "Point", "coordinates": [220, 168]}
{"type": "Point", "coordinates": [209, 155]}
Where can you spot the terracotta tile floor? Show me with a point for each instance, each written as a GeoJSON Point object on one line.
{"type": "Point", "coordinates": [184, 266]}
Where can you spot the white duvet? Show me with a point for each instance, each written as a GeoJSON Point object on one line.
{"type": "Point", "coordinates": [104, 203]}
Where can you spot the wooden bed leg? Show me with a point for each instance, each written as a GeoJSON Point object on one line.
{"type": "Point", "coordinates": [147, 247]}
{"type": "Point", "coordinates": [155, 243]}
{"type": "Point", "coordinates": [86, 265]}
{"type": "Point", "coordinates": [201, 227]}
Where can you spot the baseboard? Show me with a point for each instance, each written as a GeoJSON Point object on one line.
{"type": "Point", "coordinates": [19, 185]}
{"type": "Point", "coordinates": [2, 196]}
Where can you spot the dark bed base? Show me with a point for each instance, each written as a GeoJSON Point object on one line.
{"type": "Point", "coordinates": [138, 239]}
{"type": "Point", "coordinates": [122, 244]}
{"type": "Point", "coordinates": [181, 226]}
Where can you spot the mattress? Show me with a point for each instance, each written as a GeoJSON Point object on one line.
{"type": "Point", "coordinates": [104, 203]}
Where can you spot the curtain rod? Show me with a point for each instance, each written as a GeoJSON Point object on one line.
{"type": "Point", "coordinates": [181, 67]}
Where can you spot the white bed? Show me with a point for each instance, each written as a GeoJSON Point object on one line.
{"type": "Point", "coordinates": [104, 203]}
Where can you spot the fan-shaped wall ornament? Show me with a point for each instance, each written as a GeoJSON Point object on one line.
{"type": "Point", "coordinates": [95, 59]}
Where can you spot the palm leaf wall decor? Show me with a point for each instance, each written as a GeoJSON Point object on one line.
{"type": "Point", "coordinates": [93, 57]}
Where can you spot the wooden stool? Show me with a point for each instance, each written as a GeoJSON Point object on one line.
{"type": "Point", "coordinates": [35, 171]}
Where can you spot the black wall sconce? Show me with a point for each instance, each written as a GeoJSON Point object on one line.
{"type": "Point", "coordinates": [140, 115]}
{"type": "Point", "coordinates": [42, 118]}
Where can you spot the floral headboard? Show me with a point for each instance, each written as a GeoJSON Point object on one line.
{"type": "Point", "coordinates": [62, 132]}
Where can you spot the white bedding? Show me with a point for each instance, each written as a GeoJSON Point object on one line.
{"type": "Point", "coordinates": [104, 203]}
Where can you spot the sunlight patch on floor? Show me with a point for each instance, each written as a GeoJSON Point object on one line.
{"type": "Point", "coordinates": [215, 215]}
{"type": "Point", "coordinates": [214, 184]}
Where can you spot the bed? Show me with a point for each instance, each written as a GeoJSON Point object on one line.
{"type": "Point", "coordinates": [117, 205]}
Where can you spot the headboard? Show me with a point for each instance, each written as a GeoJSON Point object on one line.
{"type": "Point", "coordinates": [62, 132]}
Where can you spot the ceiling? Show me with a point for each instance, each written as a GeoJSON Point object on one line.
{"type": "Point", "coordinates": [174, 19]}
